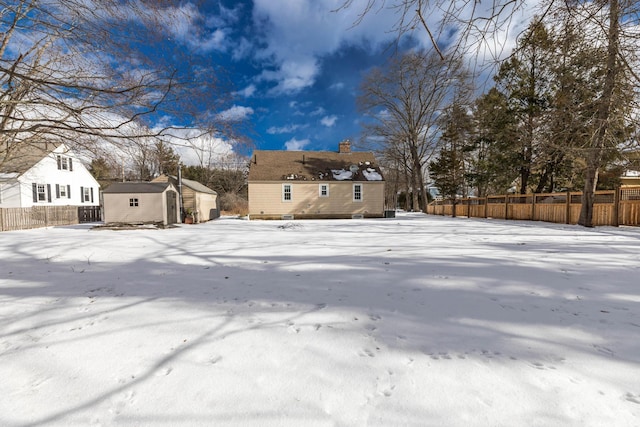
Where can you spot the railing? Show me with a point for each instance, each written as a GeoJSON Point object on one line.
{"type": "Point", "coordinates": [611, 207]}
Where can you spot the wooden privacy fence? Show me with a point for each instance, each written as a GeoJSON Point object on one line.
{"type": "Point", "coordinates": [611, 207]}
{"type": "Point", "coordinates": [36, 217]}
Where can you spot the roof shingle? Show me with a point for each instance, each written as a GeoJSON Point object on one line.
{"type": "Point", "coordinates": [136, 187]}
{"type": "Point", "coordinates": [312, 166]}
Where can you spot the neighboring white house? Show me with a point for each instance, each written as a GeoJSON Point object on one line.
{"type": "Point", "coordinates": [45, 175]}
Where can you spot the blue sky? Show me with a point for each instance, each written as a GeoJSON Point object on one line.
{"type": "Point", "coordinates": [295, 65]}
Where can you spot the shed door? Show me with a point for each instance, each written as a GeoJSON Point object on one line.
{"type": "Point", "coordinates": [172, 208]}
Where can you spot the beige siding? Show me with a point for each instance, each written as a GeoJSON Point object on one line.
{"type": "Point", "coordinates": [265, 198]}
{"type": "Point", "coordinates": [203, 203]}
{"type": "Point", "coordinates": [207, 206]}
{"type": "Point", "coordinates": [151, 207]}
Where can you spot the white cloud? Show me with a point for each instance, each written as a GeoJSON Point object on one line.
{"type": "Point", "coordinates": [274, 130]}
{"type": "Point", "coordinates": [317, 112]}
{"type": "Point", "coordinates": [329, 121]}
{"type": "Point", "coordinates": [216, 40]}
{"type": "Point", "coordinates": [197, 147]}
{"type": "Point", "coordinates": [337, 86]}
{"type": "Point", "coordinates": [241, 49]}
{"type": "Point", "coordinates": [296, 144]}
{"type": "Point", "coordinates": [292, 76]}
{"type": "Point", "coordinates": [298, 32]}
{"type": "Point", "coordinates": [200, 33]}
{"type": "Point", "coordinates": [248, 91]}
{"type": "Point", "coordinates": [237, 113]}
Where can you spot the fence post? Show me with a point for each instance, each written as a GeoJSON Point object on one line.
{"type": "Point", "coordinates": [506, 206]}
{"type": "Point", "coordinates": [486, 199]}
{"type": "Point", "coordinates": [533, 206]}
{"type": "Point", "coordinates": [567, 213]}
{"type": "Point", "coordinates": [616, 207]}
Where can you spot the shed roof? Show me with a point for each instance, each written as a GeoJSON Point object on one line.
{"type": "Point", "coordinates": [194, 185]}
{"type": "Point", "coordinates": [313, 166]}
{"type": "Point", "coordinates": [136, 187]}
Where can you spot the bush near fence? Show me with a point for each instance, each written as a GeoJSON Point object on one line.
{"type": "Point", "coordinates": [611, 207]}
{"type": "Point", "coordinates": [40, 216]}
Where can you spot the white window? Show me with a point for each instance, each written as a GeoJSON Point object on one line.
{"type": "Point", "coordinates": [42, 192]}
{"type": "Point", "coordinates": [324, 190]}
{"type": "Point", "coordinates": [357, 192]}
{"type": "Point", "coordinates": [86, 194]}
{"type": "Point", "coordinates": [286, 193]}
{"type": "Point", "coordinates": [133, 202]}
{"type": "Point", "coordinates": [62, 192]}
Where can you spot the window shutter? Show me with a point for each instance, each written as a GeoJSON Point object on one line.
{"type": "Point", "coordinates": [70, 165]}
{"type": "Point", "coordinates": [34, 188]}
{"type": "Point", "coordinates": [49, 193]}
{"type": "Point", "coordinates": [59, 160]}
{"type": "Point", "coordinates": [81, 194]}
{"type": "Point", "coordinates": [91, 194]}
{"type": "Point", "coordinates": [68, 191]}
{"type": "Point", "coordinates": [57, 191]}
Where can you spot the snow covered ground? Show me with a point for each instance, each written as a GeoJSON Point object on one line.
{"type": "Point", "coordinates": [412, 321]}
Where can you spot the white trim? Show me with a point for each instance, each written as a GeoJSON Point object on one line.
{"type": "Point", "coordinates": [284, 193]}
{"type": "Point", "coordinates": [42, 193]}
{"type": "Point", "coordinates": [320, 190]}
{"type": "Point", "coordinates": [361, 192]}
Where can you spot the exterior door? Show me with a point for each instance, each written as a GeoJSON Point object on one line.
{"type": "Point", "coordinates": [172, 207]}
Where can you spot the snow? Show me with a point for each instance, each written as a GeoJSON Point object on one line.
{"type": "Point", "coordinates": [371, 174]}
{"type": "Point", "coordinates": [409, 321]}
{"type": "Point", "coordinates": [341, 174]}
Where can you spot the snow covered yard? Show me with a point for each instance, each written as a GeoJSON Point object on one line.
{"type": "Point", "coordinates": [413, 321]}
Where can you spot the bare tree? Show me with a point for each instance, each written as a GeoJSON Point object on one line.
{"type": "Point", "coordinates": [404, 102]}
{"type": "Point", "coordinates": [74, 70]}
{"type": "Point", "coordinates": [474, 22]}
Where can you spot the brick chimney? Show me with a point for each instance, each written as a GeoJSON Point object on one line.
{"type": "Point", "coordinates": [344, 146]}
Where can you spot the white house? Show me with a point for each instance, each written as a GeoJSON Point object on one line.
{"type": "Point", "coordinates": [44, 175]}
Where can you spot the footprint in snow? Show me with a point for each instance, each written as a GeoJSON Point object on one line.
{"type": "Point", "coordinates": [541, 366]}
{"type": "Point", "coordinates": [213, 360]}
{"type": "Point", "coordinates": [365, 352]}
{"type": "Point", "coordinates": [633, 398]}
{"type": "Point", "coordinates": [163, 372]}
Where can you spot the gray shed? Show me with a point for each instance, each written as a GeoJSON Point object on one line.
{"type": "Point", "coordinates": [141, 202]}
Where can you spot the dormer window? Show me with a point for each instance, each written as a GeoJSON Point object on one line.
{"type": "Point", "coordinates": [64, 163]}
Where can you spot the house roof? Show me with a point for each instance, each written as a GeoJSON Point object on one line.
{"type": "Point", "coordinates": [136, 187]}
{"type": "Point", "coordinates": [194, 185]}
{"type": "Point", "coordinates": [313, 166]}
{"type": "Point", "coordinates": [20, 158]}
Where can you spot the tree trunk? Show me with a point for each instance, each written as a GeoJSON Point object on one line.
{"type": "Point", "coordinates": [419, 191]}
{"type": "Point", "coordinates": [598, 142]}
{"type": "Point", "coordinates": [588, 195]}
{"type": "Point", "coordinates": [414, 191]}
